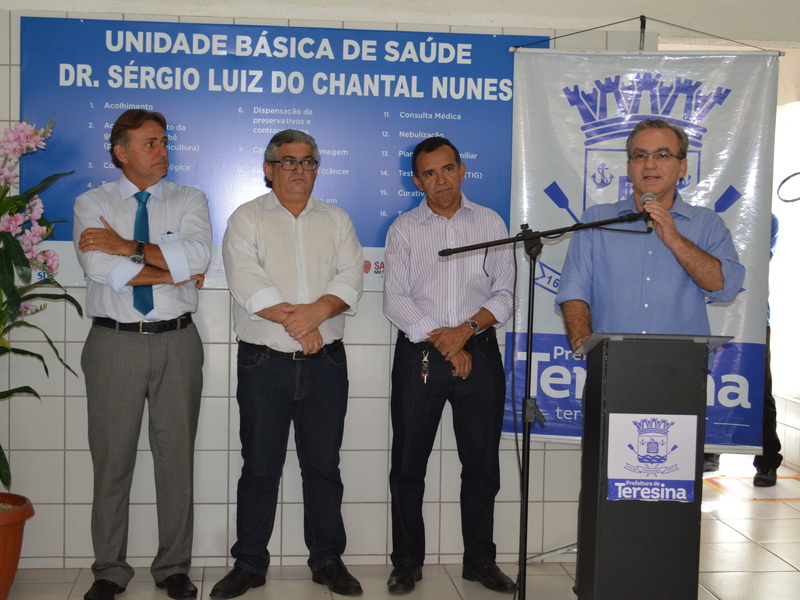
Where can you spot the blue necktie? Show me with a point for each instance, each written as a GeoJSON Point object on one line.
{"type": "Point", "coordinates": [142, 294]}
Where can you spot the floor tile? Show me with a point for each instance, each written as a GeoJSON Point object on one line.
{"type": "Point", "coordinates": [41, 591]}
{"type": "Point", "coordinates": [769, 530]}
{"type": "Point", "coordinates": [732, 557]}
{"type": "Point", "coordinates": [788, 551]}
{"type": "Point", "coordinates": [46, 576]}
{"type": "Point", "coordinates": [752, 586]}
{"type": "Point", "coordinates": [713, 530]}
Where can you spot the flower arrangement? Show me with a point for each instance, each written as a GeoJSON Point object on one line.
{"type": "Point", "coordinates": [22, 228]}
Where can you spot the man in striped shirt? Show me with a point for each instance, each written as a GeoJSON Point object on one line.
{"type": "Point", "coordinates": [446, 310]}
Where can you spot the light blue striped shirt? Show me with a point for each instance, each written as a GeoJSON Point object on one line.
{"type": "Point", "coordinates": [424, 291]}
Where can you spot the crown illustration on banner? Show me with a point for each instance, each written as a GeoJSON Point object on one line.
{"type": "Point", "coordinates": [613, 106]}
{"type": "Point", "coordinates": [653, 426]}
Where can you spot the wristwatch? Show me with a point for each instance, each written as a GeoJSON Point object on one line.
{"type": "Point", "coordinates": [473, 325]}
{"type": "Point", "coordinates": [138, 255]}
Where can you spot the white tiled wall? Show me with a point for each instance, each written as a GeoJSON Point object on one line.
{"type": "Point", "coordinates": [47, 446]}
{"type": "Point", "coordinates": [789, 430]}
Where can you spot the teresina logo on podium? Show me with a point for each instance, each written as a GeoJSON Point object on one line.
{"type": "Point", "coordinates": [651, 457]}
{"type": "Point", "coordinates": [652, 449]}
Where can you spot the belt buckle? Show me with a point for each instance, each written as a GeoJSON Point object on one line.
{"type": "Point", "coordinates": [296, 357]}
{"type": "Point", "coordinates": [141, 323]}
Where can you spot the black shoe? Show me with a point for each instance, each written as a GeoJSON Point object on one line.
{"type": "Point", "coordinates": [710, 463]}
{"type": "Point", "coordinates": [404, 578]}
{"type": "Point", "coordinates": [765, 477]}
{"type": "Point", "coordinates": [236, 583]}
{"type": "Point", "coordinates": [103, 589]}
{"type": "Point", "coordinates": [335, 575]}
{"type": "Point", "coordinates": [490, 576]}
{"type": "Point", "coordinates": [178, 585]}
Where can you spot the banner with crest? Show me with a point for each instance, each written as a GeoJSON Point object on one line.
{"type": "Point", "coordinates": [572, 115]}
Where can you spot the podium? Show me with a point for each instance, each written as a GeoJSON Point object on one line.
{"type": "Point", "coordinates": [641, 466]}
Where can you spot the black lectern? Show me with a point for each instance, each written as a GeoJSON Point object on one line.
{"type": "Point", "coordinates": [641, 469]}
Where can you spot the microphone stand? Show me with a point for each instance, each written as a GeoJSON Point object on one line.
{"type": "Point", "coordinates": [530, 411]}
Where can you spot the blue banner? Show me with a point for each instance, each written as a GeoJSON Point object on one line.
{"type": "Point", "coordinates": [734, 389]}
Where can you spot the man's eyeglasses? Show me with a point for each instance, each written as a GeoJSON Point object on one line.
{"type": "Point", "coordinates": [661, 156]}
{"type": "Point", "coordinates": [290, 164]}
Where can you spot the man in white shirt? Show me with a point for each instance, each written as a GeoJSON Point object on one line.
{"type": "Point", "coordinates": [144, 245]}
{"type": "Point", "coordinates": [295, 269]}
{"type": "Point", "coordinates": [446, 311]}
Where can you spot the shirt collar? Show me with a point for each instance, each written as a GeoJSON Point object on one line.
{"type": "Point", "coordinates": [127, 189]}
{"type": "Point", "coordinates": [426, 213]}
{"type": "Point", "coordinates": [678, 207]}
{"type": "Point", "coordinates": [271, 202]}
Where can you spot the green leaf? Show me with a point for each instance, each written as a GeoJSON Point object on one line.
{"type": "Point", "coordinates": [24, 389]}
{"type": "Point", "coordinates": [50, 343]}
{"type": "Point", "coordinates": [39, 357]}
{"type": "Point", "coordinates": [10, 306]}
{"type": "Point", "coordinates": [12, 252]}
{"type": "Point", "coordinates": [5, 470]}
{"type": "Point", "coordinates": [27, 295]}
{"type": "Point", "coordinates": [45, 183]}
{"type": "Point", "coordinates": [66, 297]}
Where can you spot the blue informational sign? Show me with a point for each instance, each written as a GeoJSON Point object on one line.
{"type": "Point", "coordinates": [367, 97]}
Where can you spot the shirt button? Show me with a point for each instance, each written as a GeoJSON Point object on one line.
{"type": "Point", "coordinates": [649, 251]}
{"type": "Point", "coordinates": [644, 332]}
{"type": "Point", "coordinates": [647, 278]}
{"type": "Point", "coordinates": [647, 306]}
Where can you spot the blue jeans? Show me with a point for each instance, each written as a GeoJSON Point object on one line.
{"type": "Point", "coordinates": [272, 393]}
{"type": "Point", "coordinates": [477, 404]}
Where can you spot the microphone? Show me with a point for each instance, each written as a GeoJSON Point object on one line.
{"type": "Point", "coordinates": [648, 197]}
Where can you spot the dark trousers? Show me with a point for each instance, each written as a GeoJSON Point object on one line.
{"type": "Point", "coordinates": [770, 457]}
{"type": "Point", "coordinates": [274, 392]}
{"type": "Point", "coordinates": [477, 403]}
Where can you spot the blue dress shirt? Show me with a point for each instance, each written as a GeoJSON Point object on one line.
{"type": "Point", "coordinates": [632, 281]}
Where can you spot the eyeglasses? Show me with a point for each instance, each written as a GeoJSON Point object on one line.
{"type": "Point", "coordinates": [290, 164]}
{"type": "Point", "coordinates": [660, 156]}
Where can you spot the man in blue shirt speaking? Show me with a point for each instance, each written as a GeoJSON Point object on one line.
{"type": "Point", "coordinates": [618, 279]}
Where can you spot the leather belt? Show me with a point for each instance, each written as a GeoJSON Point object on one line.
{"type": "Point", "coordinates": [481, 338]}
{"type": "Point", "coordinates": [297, 355]}
{"type": "Point", "coordinates": [145, 327]}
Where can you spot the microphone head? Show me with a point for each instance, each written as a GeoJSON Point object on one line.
{"type": "Point", "coordinates": [648, 197]}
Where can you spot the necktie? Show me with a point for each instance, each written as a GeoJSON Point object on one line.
{"type": "Point", "coordinates": [142, 294]}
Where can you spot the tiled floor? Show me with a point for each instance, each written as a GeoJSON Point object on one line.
{"type": "Point", "coordinates": [750, 551]}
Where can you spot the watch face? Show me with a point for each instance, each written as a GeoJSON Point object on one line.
{"type": "Point", "coordinates": [138, 256]}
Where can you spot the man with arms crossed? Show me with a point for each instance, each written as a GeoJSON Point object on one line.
{"type": "Point", "coordinates": [144, 245]}
{"type": "Point", "coordinates": [294, 268]}
{"type": "Point", "coordinates": [446, 310]}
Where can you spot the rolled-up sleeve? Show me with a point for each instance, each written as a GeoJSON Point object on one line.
{"type": "Point", "coordinates": [348, 283]}
{"type": "Point", "coordinates": [248, 282]}
{"type": "Point", "coordinates": [501, 295]}
{"type": "Point", "coordinates": [719, 244]}
{"type": "Point", "coordinates": [189, 253]}
{"type": "Point", "coordinates": [105, 269]}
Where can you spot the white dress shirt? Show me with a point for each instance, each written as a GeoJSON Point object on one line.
{"type": "Point", "coordinates": [424, 291]}
{"type": "Point", "coordinates": [179, 225]}
{"type": "Point", "coordinates": [272, 257]}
